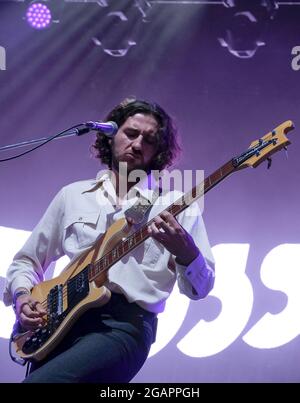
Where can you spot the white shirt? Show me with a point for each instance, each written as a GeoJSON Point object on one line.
{"type": "Point", "coordinates": [80, 212]}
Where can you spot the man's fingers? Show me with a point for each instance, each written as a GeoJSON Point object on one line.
{"type": "Point", "coordinates": [29, 323]}
{"type": "Point", "coordinates": [167, 228]}
{"type": "Point", "coordinates": [32, 309]}
{"type": "Point", "coordinates": [157, 233]}
{"type": "Point", "coordinates": [40, 309]}
{"type": "Point", "coordinates": [168, 217]}
{"type": "Point", "coordinates": [154, 229]}
{"type": "Point", "coordinates": [26, 309]}
{"type": "Point", "coordinates": [171, 220]}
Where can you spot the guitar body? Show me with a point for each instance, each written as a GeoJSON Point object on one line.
{"type": "Point", "coordinates": [35, 345]}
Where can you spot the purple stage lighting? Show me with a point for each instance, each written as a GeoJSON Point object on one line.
{"type": "Point", "coordinates": [38, 16]}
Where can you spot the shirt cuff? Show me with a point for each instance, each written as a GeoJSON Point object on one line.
{"type": "Point", "coordinates": [21, 282]}
{"type": "Point", "coordinates": [199, 274]}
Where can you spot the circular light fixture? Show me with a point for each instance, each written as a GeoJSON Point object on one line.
{"type": "Point", "coordinates": [38, 16]}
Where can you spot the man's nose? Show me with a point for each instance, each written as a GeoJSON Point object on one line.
{"type": "Point", "coordinates": [137, 142]}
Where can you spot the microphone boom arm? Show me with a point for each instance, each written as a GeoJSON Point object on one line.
{"type": "Point", "coordinates": [74, 131]}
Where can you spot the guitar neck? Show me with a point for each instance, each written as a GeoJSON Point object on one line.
{"type": "Point", "coordinates": [199, 190]}
{"type": "Point", "coordinates": [125, 246]}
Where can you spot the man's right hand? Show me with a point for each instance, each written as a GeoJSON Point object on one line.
{"type": "Point", "coordinates": [30, 313]}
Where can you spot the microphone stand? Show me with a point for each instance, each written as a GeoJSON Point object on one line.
{"type": "Point", "coordinates": [73, 131]}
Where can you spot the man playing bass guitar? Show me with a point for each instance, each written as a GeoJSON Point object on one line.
{"type": "Point", "coordinates": [110, 342]}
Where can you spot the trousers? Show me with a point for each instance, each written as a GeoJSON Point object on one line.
{"type": "Point", "coordinates": [106, 345]}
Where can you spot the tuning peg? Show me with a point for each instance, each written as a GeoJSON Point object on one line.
{"type": "Point", "coordinates": [286, 153]}
{"type": "Point", "coordinates": [269, 162]}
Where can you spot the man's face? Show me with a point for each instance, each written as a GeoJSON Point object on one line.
{"type": "Point", "coordinates": [136, 142]}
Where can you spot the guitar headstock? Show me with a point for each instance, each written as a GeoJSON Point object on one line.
{"type": "Point", "coordinates": [262, 149]}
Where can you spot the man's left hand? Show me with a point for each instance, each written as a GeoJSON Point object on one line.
{"type": "Point", "coordinates": [166, 230]}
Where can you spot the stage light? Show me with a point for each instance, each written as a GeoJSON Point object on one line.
{"type": "Point", "coordinates": [38, 15]}
{"type": "Point", "coordinates": [245, 24]}
{"type": "Point", "coordinates": [42, 14]}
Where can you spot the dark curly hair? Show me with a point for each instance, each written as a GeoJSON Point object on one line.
{"type": "Point", "coordinates": [168, 146]}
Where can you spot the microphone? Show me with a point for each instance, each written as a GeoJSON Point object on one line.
{"type": "Point", "coordinates": [107, 128]}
